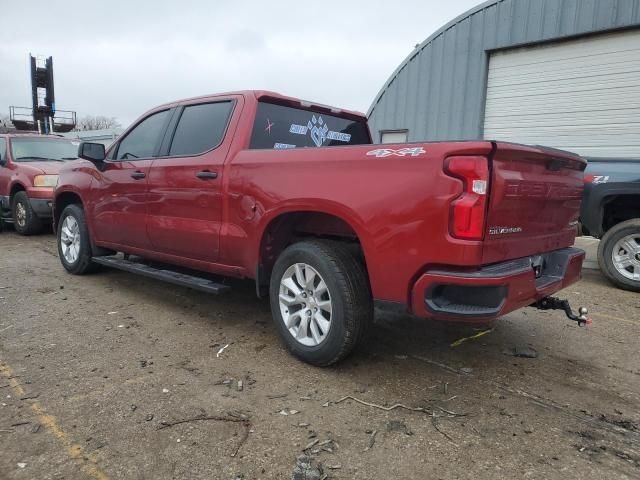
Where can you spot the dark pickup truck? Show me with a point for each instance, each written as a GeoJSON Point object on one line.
{"type": "Point", "coordinates": [611, 211]}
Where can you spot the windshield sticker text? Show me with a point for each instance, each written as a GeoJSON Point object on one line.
{"type": "Point", "coordinates": [339, 136]}
{"type": "Point", "coordinates": [283, 146]}
{"type": "Point", "coordinates": [319, 131]}
{"type": "Point", "coordinates": [299, 129]}
{"type": "Point", "coordinates": [270, 124]}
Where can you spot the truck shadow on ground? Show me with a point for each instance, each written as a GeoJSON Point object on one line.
{"type": "Point", "coordinates": [402, 343]}
{"type": "Point", "coordinates": [392, 335]}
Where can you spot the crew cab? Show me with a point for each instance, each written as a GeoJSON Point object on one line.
{"type": "Point", "coordinates": [611, 211]}
{"type": "Point", "coordinates": [294, 196]}
{"type": "Point", "coordinates": [29, 165]}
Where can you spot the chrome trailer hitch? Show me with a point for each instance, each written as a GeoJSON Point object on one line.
{"type": "Point", "coordinates": [552, 303]}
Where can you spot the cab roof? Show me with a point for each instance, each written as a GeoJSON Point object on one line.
{"type": "Point", "coordinates": [276, 98]}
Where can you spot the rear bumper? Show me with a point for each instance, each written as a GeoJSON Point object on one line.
{"type": "Point", "coordinates": [495, 290]}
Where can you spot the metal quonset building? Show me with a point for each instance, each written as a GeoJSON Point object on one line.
{"type": "Point", "coordinates": [564, 73]}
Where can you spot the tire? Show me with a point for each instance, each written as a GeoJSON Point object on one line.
{"type": "Point", "coordinates": [612, 244]}
{"type": "Point", "coordinates": [348, 293]}
{"type": "Point", "coordinates": [74, 238]}
{"type": "Point", "coordinates": [25, 220]}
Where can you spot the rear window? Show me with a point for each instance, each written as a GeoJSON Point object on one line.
{"type": "Point", "coordinates": [280, 127]}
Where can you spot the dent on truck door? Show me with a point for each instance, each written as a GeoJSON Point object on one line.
{"type": "Point", "coordinates": [119, 191]}
{"type": "Point", "coordinates": [185, 184]}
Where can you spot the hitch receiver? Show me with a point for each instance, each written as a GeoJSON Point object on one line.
{"type": "Point", "coordinates": [552, 303]}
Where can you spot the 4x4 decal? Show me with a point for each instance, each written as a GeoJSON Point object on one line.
{"type": "Point", "coordinates": [402, 152]}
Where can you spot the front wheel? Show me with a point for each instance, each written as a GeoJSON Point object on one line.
{"type": "Point", "coordinates": [74, 244]}
{"type": "Point", "coordinates": [320, 301]}
{"type": "Point", "coordinates": [619, 255]}
{"type": "Point", "coordinates": [25, 220]}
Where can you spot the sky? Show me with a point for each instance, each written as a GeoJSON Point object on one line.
{"type": "Point", "coordinates": [120, 58]}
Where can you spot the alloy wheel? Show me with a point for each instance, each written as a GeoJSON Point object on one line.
{"type": "Point", "coordinates": [626, 257]}
{"type": "Point", "coordinates": [305, 304]}
{"type": "Point", "coordinates": [70, 239]}
{"type": "Point", "coordinates": [21, 214]}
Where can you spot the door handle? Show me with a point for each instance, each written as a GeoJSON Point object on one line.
{"type": "Point", "coordinates": [138, 175]}
{"type": "Point", "coordinates": [207, 175]}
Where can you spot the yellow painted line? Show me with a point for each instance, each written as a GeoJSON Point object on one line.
{"type": "Point", "coordinates": [472, 337]}
{"type": "Point", "coordinates": [88, 462]}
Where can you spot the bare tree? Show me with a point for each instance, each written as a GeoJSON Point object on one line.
{"type": "Point", "coordinates": [96, 122]}
{"type": "Point", "coordinates": [5, 123]}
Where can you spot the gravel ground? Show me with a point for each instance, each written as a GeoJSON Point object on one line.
{"type": "Point", "coordinates": [95, 372]}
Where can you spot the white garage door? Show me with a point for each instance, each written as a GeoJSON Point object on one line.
{"type": "Point", "coordinates": [579, 95]}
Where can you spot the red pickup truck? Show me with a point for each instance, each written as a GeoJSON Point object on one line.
{"type": "Point", "coordinates": [295, 196]}
{"type": "Point", "coordinates": [29, 165]}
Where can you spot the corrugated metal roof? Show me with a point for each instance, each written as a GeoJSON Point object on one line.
{"type": "Point", "coordinates": [438, 92]}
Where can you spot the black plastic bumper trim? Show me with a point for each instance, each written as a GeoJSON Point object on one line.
{"type": "Point", "coordinates": [466, 300]}
{"type": "Point", "coordinates": [452, 298]}
{"type": "Point", "coordinates": [42, 207]}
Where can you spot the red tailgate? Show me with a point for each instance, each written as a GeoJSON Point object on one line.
{"type": "Point", "coordinates": [534, 201]}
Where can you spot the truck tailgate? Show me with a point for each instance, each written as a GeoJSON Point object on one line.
{"type": "Point", "coordinates": [534, 202]}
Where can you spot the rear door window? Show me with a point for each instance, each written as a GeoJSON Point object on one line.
{"type": "Point", "coordinates": [143, 140]}
{"type": "Point", "coordinates": [200, 128]}
{"type": "Point", "coordinates": [281, 127]}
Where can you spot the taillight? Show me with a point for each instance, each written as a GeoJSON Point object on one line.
{"type": "Point", "coordinates": [468, 211]}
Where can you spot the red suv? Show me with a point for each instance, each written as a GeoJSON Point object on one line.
{"type": "Point", "coordinates": [29, 165]}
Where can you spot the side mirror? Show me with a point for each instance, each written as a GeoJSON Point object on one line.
{"type": "Point", "coordinates": [94, 152]}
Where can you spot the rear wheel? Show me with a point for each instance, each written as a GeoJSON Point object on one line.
{"type": "Point", "coordinates": [25, 220]}
{"type": "Point", "coordinates": [619, 255]}
{"type": "Point", "coordinates": [320, 301]}
{"type": "Point", "coordinates": [74, 244]}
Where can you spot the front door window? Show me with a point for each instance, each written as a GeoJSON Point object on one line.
{"type": "Point", "coordinates": [143, 141]}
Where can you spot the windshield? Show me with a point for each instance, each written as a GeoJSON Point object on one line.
{"type": "Point", "coordinates": [48, 149]}
{"type": "Point", "coordinates": [280, 127]}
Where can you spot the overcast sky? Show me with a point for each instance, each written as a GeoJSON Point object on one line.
{"type": "Point", "coordinates": [120, 58]}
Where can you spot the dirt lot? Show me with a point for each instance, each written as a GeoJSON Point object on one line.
{"type": "Point", "coordinates": [95, 370]}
